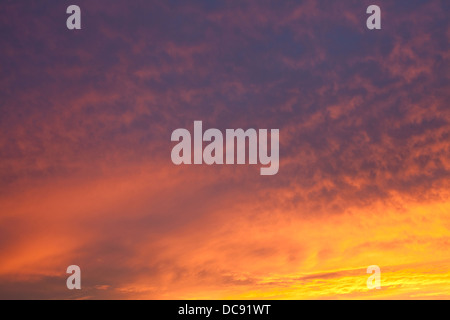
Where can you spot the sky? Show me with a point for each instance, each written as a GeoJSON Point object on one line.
{"type": "Point", "coordinates": [86, 176]}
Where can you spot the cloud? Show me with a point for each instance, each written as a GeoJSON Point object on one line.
{"type": "Point", "coordinates": [86, 176]}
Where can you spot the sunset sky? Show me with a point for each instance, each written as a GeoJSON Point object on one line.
{"type": "Point", "coordinates": [86, 176]}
